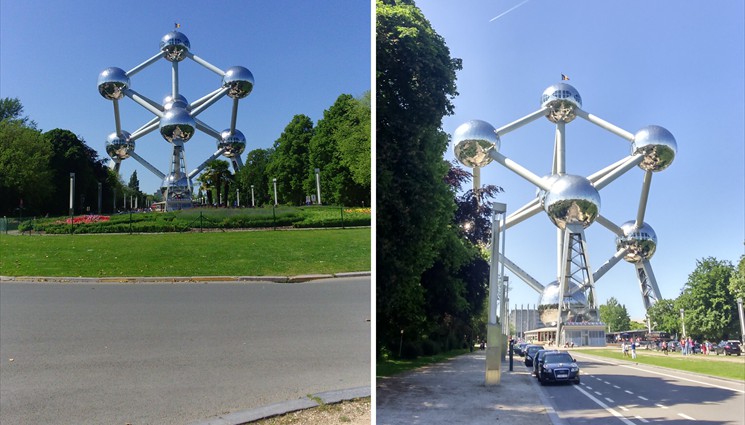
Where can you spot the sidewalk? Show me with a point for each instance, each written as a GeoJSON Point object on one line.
{"type": "Point", "coordinates": [454, 392]}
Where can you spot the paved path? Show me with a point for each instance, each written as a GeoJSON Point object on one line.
{"type": "Point", "coordinates": [453, 392]}
{"type": "Point", "coordinates": [94, 353]}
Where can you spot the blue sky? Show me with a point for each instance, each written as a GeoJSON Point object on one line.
{"type": "Point", "coordinates": [635, 63]}
{"type": "Point", "coordinates": [303, 55]}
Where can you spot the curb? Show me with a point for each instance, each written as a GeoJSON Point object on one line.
{"type": "Point", "coordinates": [251, 415]}
{"type": "Point", "coordinates": [184, 279]}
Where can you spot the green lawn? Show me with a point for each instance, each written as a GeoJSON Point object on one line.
{"type": "Point", "coordinates": [253, 253]}
{"type": "Point", "coordinates": [390, 367]}
{"type": "Point", "coordinates": [697, 363]}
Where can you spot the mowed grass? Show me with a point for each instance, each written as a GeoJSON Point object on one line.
{"type": "Point", "coordinates": [390, 367]}
{"type": "Point", "coordinates": [253, 253]}
{"type": "Point", "coordinates": [708, 365]}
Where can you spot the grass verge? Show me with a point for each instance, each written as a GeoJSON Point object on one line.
{"type": "Point", "coordinates": [390, 367]}
{"type": "Point", "coordinates": [255, 253]}
{"type": "Point", "coordinates": [697, 364]}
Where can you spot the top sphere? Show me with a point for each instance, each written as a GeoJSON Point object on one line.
{"type": "Point", "coordinates": [472, 142]}
{"type": "Point", "coordinates": [175, 45]}
{"type": "Point", "coordinates": [572, 199]}
{"type": "Point", "coordinates": [111, 83]}
{"type": "Point", "coordinates": [561, 99]}
{"type": "Point", "coordinates": [640, 241]}
{"type": "Point", "coordinates": [240, 81]}
{"type": "Point", "coordinates": [657, 145]}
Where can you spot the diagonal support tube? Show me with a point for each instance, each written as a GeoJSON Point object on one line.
{"type": "Point", "coordinates": [643, 198]}
{"type": "Point", "coordinates": [147, 165]}
{"type": "Point", "coordinates": [518, 169]}
{"type": "Point", "coordinates": [144, 102]}
{"type": "Point", "coordinates": [205, 102]}
{"type": "Point", "coordinates": [609, 225]}
{"type": "Point", "coordinates": [144, 65]}
{"type": "Point", "coordinates": [521, 122]}
{"type": "Point", "coordinates": [201, 166]}
{"type": "Point", "coordinates": [618, 131]}
{"type": "Point", "coordinates": [146, 129]}
{"type": "Point", "coordinates": [607, 179]}
{"type": "Point", "coordinates": [205, 64]}
{"type": "Point", "coordinates": [207, 129]}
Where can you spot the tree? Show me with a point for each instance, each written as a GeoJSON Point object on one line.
{"type": "Point", "coordinates": [615, 315]}
{"type": "Point", "coordinates": [290, 162]}
{"type": "Point", "coordinates": [710, 307]}
{"type": "Point", "coordinates": [664, 315]}
{"type": "Point", "coordinates": [213, 178]}
{"type": "Point", "coordinates": [737, 282]}
{"type": "Point", "coordinates": [338, 147]}
{"type": "Point", "coordinates": [415, 82]}
{"type": "Point", "coordinates": [25, 177]}
{"type": "Point", "coordinates": [254, 174]}
{"type": "Point", "coordinates": [12, 110]}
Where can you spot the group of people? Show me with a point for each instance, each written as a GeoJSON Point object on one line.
{"type": "Point", "coordinates": [630, 346]}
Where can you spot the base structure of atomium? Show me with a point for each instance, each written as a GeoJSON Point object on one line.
{"type": "Point", "coordinates": [572, 203]}
{"type": "Point", "coordinates": [176, 118]}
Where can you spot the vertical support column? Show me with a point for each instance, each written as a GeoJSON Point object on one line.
{"type": "Point", "coordinates": [493, 331]}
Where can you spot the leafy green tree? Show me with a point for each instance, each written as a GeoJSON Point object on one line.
{"type": "Point", "coordinates": [12, 110]}
{"type": "Point", "coordinates": [213, 179]}
{"type": "Point", "coordinates": [25, 178]}
{"type": "Point", "coordinates": [70, 154]}
{"type": "Point", "coordinates": [737, 282]}
{"type": "Point", "coordinates": [710, 307]}
{"type": "Point", "coordinates": [415, 82]}
{"type": "Point", "coordinates": [290, 163]}
{"type": "Point", "coordinates": [615, 315]}
{"type": "Point", "coordinates": [664, 315]}
{"type": "Point", "coordinates": [340, 145]}
{"type": "Point", "coordinates": [254, 174]}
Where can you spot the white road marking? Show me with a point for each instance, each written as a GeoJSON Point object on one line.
{"type": "Point", "coordinates": [623, 408]}
{"type": "Point", "coordinates": [588, 387]}
{"type": "Point", "coordinates": [643, 398]}
{"type": "Point", "coordinates": [659, 405]}
{"type": "Point", "coordinates": [609, 400]}
{"type": "Point", "coordinates": [597, 393]}
{"type": "Point", "coordinates": [686, 417]}
{"type": "Point", "coordinates": [604, 406]}
{"type": "Point", "coordinates": [617, 387]}
{"type": "Point", "coordinates": [641, 419]}
{"type": "Point", "coordinates": [606, 382]}
{"type": "Point", "coordinates": [628, 392]}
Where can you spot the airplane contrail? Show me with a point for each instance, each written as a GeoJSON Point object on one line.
{"type": "Point", "coordinates": [508, 11]}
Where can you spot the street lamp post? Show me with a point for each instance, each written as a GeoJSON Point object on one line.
{"type": "Point", "coordinates": [275, 191]}
{"type": "Point", "coordinates": [72, 197]}
{"type": "Point", "coordinates": [238, 197]}
{"type": "Point", "coordinates": [742, 319]}
{"type": "Point", "coordinates": [683, 321]}
{"type": "Point", "coordinates": [318, 184]}
{"type": "Point", "coordinates": [253, 204]}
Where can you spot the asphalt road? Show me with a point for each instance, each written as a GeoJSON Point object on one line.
{"type": "Point", "coordinates": [626, 393]}
{"type": "Point", "coordinates": [175, 353]}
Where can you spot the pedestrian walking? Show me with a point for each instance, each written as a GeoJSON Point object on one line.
{"type": "Point", "coordinates": [633, 350]}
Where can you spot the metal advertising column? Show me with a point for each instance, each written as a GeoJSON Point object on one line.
{"type": "Point", "coordinates": [493, 331]}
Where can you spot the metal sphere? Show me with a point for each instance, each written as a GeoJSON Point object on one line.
{"type": "Point", "coordinates": [234, 144]}
{"type": "Point", "coordinates": [572, 199]}
{"type": "Point", "coordinates": [175, 45]}
{"type": "Point", "coordinates": [657, 145]}
{"type": "Point", "coordinates": [240, 81]}
{"type": "Point", "coordinates": [640, 241]}
{"type": "Point", "coordinates": [112, 82]}
{"type": "Point", "coordinates": [548, 306]}
{"type": "Point", "coordinates": [119, 146]}
{"type": "Point", "coordinates": [550, 180]}
{"type": "Point", "coordinates": [179, 102]}
{"type": "Point", "coordinates": [562, 99]}
{"type": "Point", "coordinates": [177, 185]}
{"type": "Point", "coordinates": [177, 123]}
{"type": "Point", "coordinates": [472, 142]}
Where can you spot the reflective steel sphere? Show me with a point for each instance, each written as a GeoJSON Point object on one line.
{"type": "Point", "coordinates": [561, 98]}
{"type": "Point", "coordinates": [177, 123]}
{"type": "Point", "coordinates": [472, 142]}
{"type": "Point", "coordinates": [641, 241]}
{"type": "Point", "coordinates": [119, 146]}
{"type": "Point", "coordinates": [175, 45]}
{"type": "Point", "coordinates": [177, 185]}
{"type": "Point", "coordinates": [550, 180]}
{"type": "Point", "coordinates": [657, 145]}
{"type": "Point", "coordinates": [240, 80]}
{"type": "Point", "coordinates": [180, 102]}
{"type": "Point", "coordinates": [111, 82]}
{"type": "Point", "coordinates": [572, 199]}
{"type": "Point", "coordinates": [234, 145]}
{"type": "Point", "coordinates": [548, 306]}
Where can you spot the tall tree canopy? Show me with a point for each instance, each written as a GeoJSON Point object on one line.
{"type": "Point", "coordinates": [25, 177]}
{"type": "Point", "coordinates": [710, 306]}
{"type": "Point", "coordinates": [290, 163]}
{"type": "Point", "coordinates": [415, 82]}
{"type": "Point", "coordinates": [615, 315]}
{"type": "Point", "coordinates": [254, 174]}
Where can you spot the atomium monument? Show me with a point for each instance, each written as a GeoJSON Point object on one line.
{"type": "Point", "coordinates": [175, 117]}
{"type": "Point", "coordinates": [573, 203]}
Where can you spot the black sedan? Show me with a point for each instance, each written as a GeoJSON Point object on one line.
{"type": "Point", "coordinates": [558, 367]}
{"type": "Point", "coordinates": [728, 348]}
{"type": "Point", "coordinates": [530, 351]}
{"type": "Point", "coordinates": [538, 360]}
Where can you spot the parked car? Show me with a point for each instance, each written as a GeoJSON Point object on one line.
{"type": "Point", "coordinates": [558, 367]}
{"type": "Point", "coordinates": [728, 348]}
{"type": "Point", "coordinates": [538, 359]}
{"type": "Point", "coordinates": [530, 351]}
{"type": "Point", "coordinates": [519, 348]}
